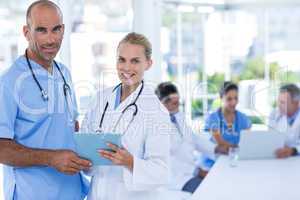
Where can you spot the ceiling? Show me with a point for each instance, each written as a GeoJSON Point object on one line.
{"type": "Point", "coordinates": [258, 3]}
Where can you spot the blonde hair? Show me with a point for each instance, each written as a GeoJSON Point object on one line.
{"type": "Point", "coordinates": [138, 39]}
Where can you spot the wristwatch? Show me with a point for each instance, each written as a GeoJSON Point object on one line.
{"type": "Point", "coordinates": [295, 152]}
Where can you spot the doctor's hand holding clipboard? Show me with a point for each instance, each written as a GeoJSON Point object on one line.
{"type": "Point", "coordinates": [118, 156]}
{"type": "Point", "coordinates": [140, 162]}
{"type": "Point", "coordinates": [103, 149]}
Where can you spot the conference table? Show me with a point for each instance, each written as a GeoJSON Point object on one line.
{"type": "Point", "coordinates": [274, 179]}
{"type": "Point", "coordinates": [277, 179]}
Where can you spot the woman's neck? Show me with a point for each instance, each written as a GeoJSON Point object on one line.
{"type": "Point", "coordinates": [228, 114]}
{"type": "Point", "coordinates": [128, 90]}
{"type": "Point", "coordinates": [227, 111]}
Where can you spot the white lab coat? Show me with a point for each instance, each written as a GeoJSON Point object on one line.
{"type": "Point", "coordinates": [278, 122]}
{"type": "Point", "coordinates": [147, 139]}
{"type": "Point", "coordinates": [184, 147]}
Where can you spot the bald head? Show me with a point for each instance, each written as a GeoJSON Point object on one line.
{"type": "Point", "coordinates": [41, 4]}
{"type": "Point", "coordinates": [44, 32]}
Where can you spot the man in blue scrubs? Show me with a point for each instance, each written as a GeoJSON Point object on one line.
{"type": "Point", "coordinates": [36, 131]}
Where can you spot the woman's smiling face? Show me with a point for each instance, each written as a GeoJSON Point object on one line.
{"type": "Point", "coordinates": [132, 63]}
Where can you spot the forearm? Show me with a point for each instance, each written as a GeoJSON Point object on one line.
{"type": "Point", "coordinates": [130, 164]}
{"type": "Point", "coordinates": [220, 141]}
{"type": "Point", "coordinates": [218, 137]}
{"type": "Point", "coordinates": [14, 154]}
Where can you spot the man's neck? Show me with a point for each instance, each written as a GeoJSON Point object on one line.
{"type": "Point", "coordinates": [174, 112]}
{"type": "Point", "coordinates": [47, 65]}
{"type": "Point", "coordinates": [293, 113]}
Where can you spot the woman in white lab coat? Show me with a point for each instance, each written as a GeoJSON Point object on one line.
{"type": "Point", "coordinates": [141, 164]}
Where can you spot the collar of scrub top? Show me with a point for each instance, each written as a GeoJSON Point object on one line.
{"type": "Point", "coordinates": [118, 97]}
{"type": "Point", "coordinates": [221, 117]}
{"type": "Point", "coordinates": [44, 94]}
{"type": "Point", "coordinates": [132, 104]}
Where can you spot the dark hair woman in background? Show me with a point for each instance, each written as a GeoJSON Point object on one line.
{"type": "Point", "coordinates": [226, 123]}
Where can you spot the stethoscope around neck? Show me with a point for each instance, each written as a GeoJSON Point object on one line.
{"type": "Point", "coordinates": [44, 94]}
{"type": "Point", "coordinates": [132, 104]}
{"type": "Point", "coordinates": [231, 130]}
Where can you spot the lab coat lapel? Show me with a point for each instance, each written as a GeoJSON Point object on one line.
{"type": "Point", "coordinates": [296, 122]}
{"type": "Point", "coordinates": [282, 125]}
{"type": "Point", "coordinates": [112, 115]}
{"type": "Point", "coordinates": [293, 131]}
{"type": "Point", "coordinates": [128, 100]}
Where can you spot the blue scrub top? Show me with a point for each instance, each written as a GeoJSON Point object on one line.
{"type": "Point", "coordinates": [216, 122]}
{"type": "Point", "coordinates": [29, 120]}
{"type": "Point", "coordinates": [118, 97]}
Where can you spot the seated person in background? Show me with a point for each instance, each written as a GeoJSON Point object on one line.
{"type": "Point", "coordinates": [286, 119]}
{"type": "Point", "coordinates": [225, 124]}
{"type": "Point", "coordinates": [183, 142]}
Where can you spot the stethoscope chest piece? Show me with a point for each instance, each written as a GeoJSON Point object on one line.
{"type": "Point", "coordinates": [132, 106]}
{"type": "Point", "coordinates": [45, 95]}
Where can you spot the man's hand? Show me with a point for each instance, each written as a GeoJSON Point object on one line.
{"type": "Point", "coordinates": [285, 152]}
{"type": "Point", "coordinates": [120, 156]}
{"type": "Point", "coordinates": [68, 162]}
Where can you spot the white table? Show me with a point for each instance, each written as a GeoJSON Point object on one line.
{"type": "Point", "coordinates": [174, 195]}
{"type": "Point", "coordinates": [252, 180]}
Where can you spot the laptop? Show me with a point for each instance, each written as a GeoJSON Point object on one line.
{"type": "Point", "coordinates": [255, 145]}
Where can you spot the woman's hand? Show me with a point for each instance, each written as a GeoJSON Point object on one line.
{"type": "Point", "coordinates": [119, 156]}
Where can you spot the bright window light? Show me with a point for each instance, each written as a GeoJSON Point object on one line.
{"type": "Point", "coordinates": [186, 8]}
{"type": "Point", "coordinates": [205, 9]}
